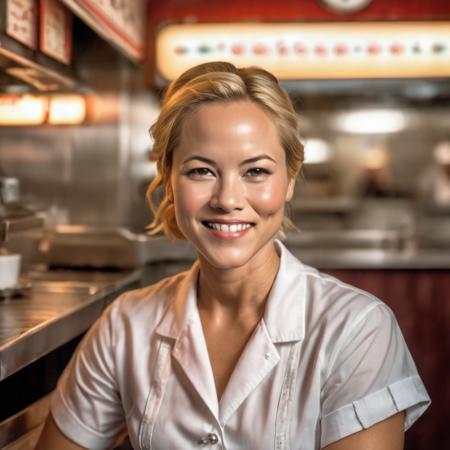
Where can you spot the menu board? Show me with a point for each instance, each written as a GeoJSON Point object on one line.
{"type": "Point", "coordinates": [21, 17]}
{"type": "Point", "coordinates": [306, 50]}
{"type": "Point", "coordinates": [55, 30]}
{"type": "Point", "coordinates": [120, 22]}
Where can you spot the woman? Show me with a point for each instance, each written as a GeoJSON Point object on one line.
{"type": "Point", "coordinates": [250, 349]}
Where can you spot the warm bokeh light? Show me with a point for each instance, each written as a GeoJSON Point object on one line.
{"type": "Point", "coordinates": [317, 151]}
{"type": "Point", "coordinates": [22, 110]}
{"type": "Point", "coordinates": [376, 158]}
{"type": "Point", "coordinates": [67, 109]}
{"type": "Point", "coordinates": [103, 107]}
{"type": "Point", "coordinates": [371, 122]}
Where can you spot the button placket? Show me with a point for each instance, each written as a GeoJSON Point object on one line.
{"type": "Point", "coordinates": [154, 399]}
{"type": "Point", "coordinates": [283, 412]}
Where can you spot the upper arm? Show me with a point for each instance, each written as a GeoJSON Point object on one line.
{"type": "Point", "coordinates": [86, 405]}
{"type": "Point", "coordinates": [385, 435]}
{"type": "Point", "coordinates": [371, 377]}
{"type": "Point", "coordinates": [52, 438]}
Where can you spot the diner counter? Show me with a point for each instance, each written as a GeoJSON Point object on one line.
{"type": "Point", "coordinates": [57, 306]}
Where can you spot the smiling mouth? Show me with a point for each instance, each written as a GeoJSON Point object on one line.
{"type": "Point", "coordinates": [228, 228]}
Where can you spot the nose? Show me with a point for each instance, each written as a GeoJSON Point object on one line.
{"type": "Point", "coordinates": [228, 195]}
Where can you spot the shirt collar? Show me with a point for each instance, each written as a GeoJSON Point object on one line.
{"type": "Point", "coordinates": [181, 310]}
{"type": "Point", "coordinates": [285, 309]}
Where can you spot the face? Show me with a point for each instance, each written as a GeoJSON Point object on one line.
{"type": "Point", "coordinates": [230, 183]}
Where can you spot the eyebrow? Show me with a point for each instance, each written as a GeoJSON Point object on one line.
{"type": "Point", "coordinates": [213, 163]}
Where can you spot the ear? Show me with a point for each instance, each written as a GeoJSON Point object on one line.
{"type": "Point", "coordinates": [290, 189]}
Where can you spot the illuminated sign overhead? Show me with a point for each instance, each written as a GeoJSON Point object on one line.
{"type": "Point", "coordinates": [26, 110]}
{"type": "Point", "coordinates": [22, 110]}
{"type": "Point", "coordinates": [68, 109]}
{"type": "Point", "coordinates": [310, 50]}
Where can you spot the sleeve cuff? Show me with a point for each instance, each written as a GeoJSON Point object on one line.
{"type": "Point", "coordinates": [407, 395]}
{"type": "Point", "coordinates": [74, 429]}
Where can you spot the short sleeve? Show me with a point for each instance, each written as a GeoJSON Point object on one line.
{"type": "Point", "coordinates": [371, 376]}
{"type": "Point", "coordinates": [86, 405]}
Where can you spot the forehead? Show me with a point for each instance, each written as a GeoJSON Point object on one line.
{"type": "Point", "coordinates": [229, 122]}
{"type": "Point", "coordinates": [229, 109]}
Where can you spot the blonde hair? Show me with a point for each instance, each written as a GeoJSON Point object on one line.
{"type": "Point", "coordinates": [215, 82]}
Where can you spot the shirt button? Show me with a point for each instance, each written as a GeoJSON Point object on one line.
{"type": "Point", "coordinates": [212, 438]}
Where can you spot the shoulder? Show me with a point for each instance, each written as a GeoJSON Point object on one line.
{"type": "Point", "coordinates": [331, 296]}
{"type": "Point", "coordinates": [323, 295]}
{"type": "Point", "coordinates": [343, 314]}
{"type": "Point", "coordinates": [324, 301]}
{"type": "Point", "coordinates": [322, 308]}
{"type": "Point", "coordinates": [147, 305]}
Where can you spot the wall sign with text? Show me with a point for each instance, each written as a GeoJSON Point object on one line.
{"type": "Point", "coordinates": [21, 19]}
{"type": "Point", "coordinates": [122, 23]}
{"type": "Point", "coordinates": [56, 30]}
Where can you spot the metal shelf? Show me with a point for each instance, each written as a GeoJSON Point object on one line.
{"type": "Point", "coordinates": [16, 224]}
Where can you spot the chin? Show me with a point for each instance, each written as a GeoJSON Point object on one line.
{"type": "Point", "coordinates": [226, 259]}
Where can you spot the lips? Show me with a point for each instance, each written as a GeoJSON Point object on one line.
{"type": "Point", "coordinates": [228, 227]}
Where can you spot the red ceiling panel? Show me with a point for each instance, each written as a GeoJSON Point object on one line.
{"type": "Point", "coordinates": [291, 10]}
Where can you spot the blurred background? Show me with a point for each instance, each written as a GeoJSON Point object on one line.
{"type": "Point", "coordinates": [80, 84]}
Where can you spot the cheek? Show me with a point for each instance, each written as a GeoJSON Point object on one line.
{"type": "Point", "coordinates": [190, 197]}
{"type": "Point", "coordinates": [269, 199]}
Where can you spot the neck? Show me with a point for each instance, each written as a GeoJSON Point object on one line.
{"type": "Point", "coordinates": [238, 291]}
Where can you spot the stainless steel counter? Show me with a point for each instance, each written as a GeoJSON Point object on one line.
{"type": "Point", "coordinates": [59, 306]}
{"type": "Point", "coordinates": [374, 258]}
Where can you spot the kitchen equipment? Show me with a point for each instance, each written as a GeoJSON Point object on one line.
{"type": "Point", "coordinates": [9, 269]}
{"type": "Point", "coordinates": [104, 247]}
{"type": "Point", "coordinates": [9, 190]}
{"type": "Point", "coordinates": [17, 244]}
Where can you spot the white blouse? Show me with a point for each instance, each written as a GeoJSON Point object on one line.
{"type": "Point", "coordinates": [327, 360]}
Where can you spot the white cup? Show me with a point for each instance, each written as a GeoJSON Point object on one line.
{"type": "Point", "coordinates": [9, 270]}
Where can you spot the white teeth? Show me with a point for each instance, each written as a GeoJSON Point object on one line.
{"type": "Point", "coordinates": [229, 228]}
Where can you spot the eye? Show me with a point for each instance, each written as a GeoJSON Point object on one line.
{"type": "Point", "coordinates": [257, 172]}
{"type": "Point", "coordinates": [199, 172]}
